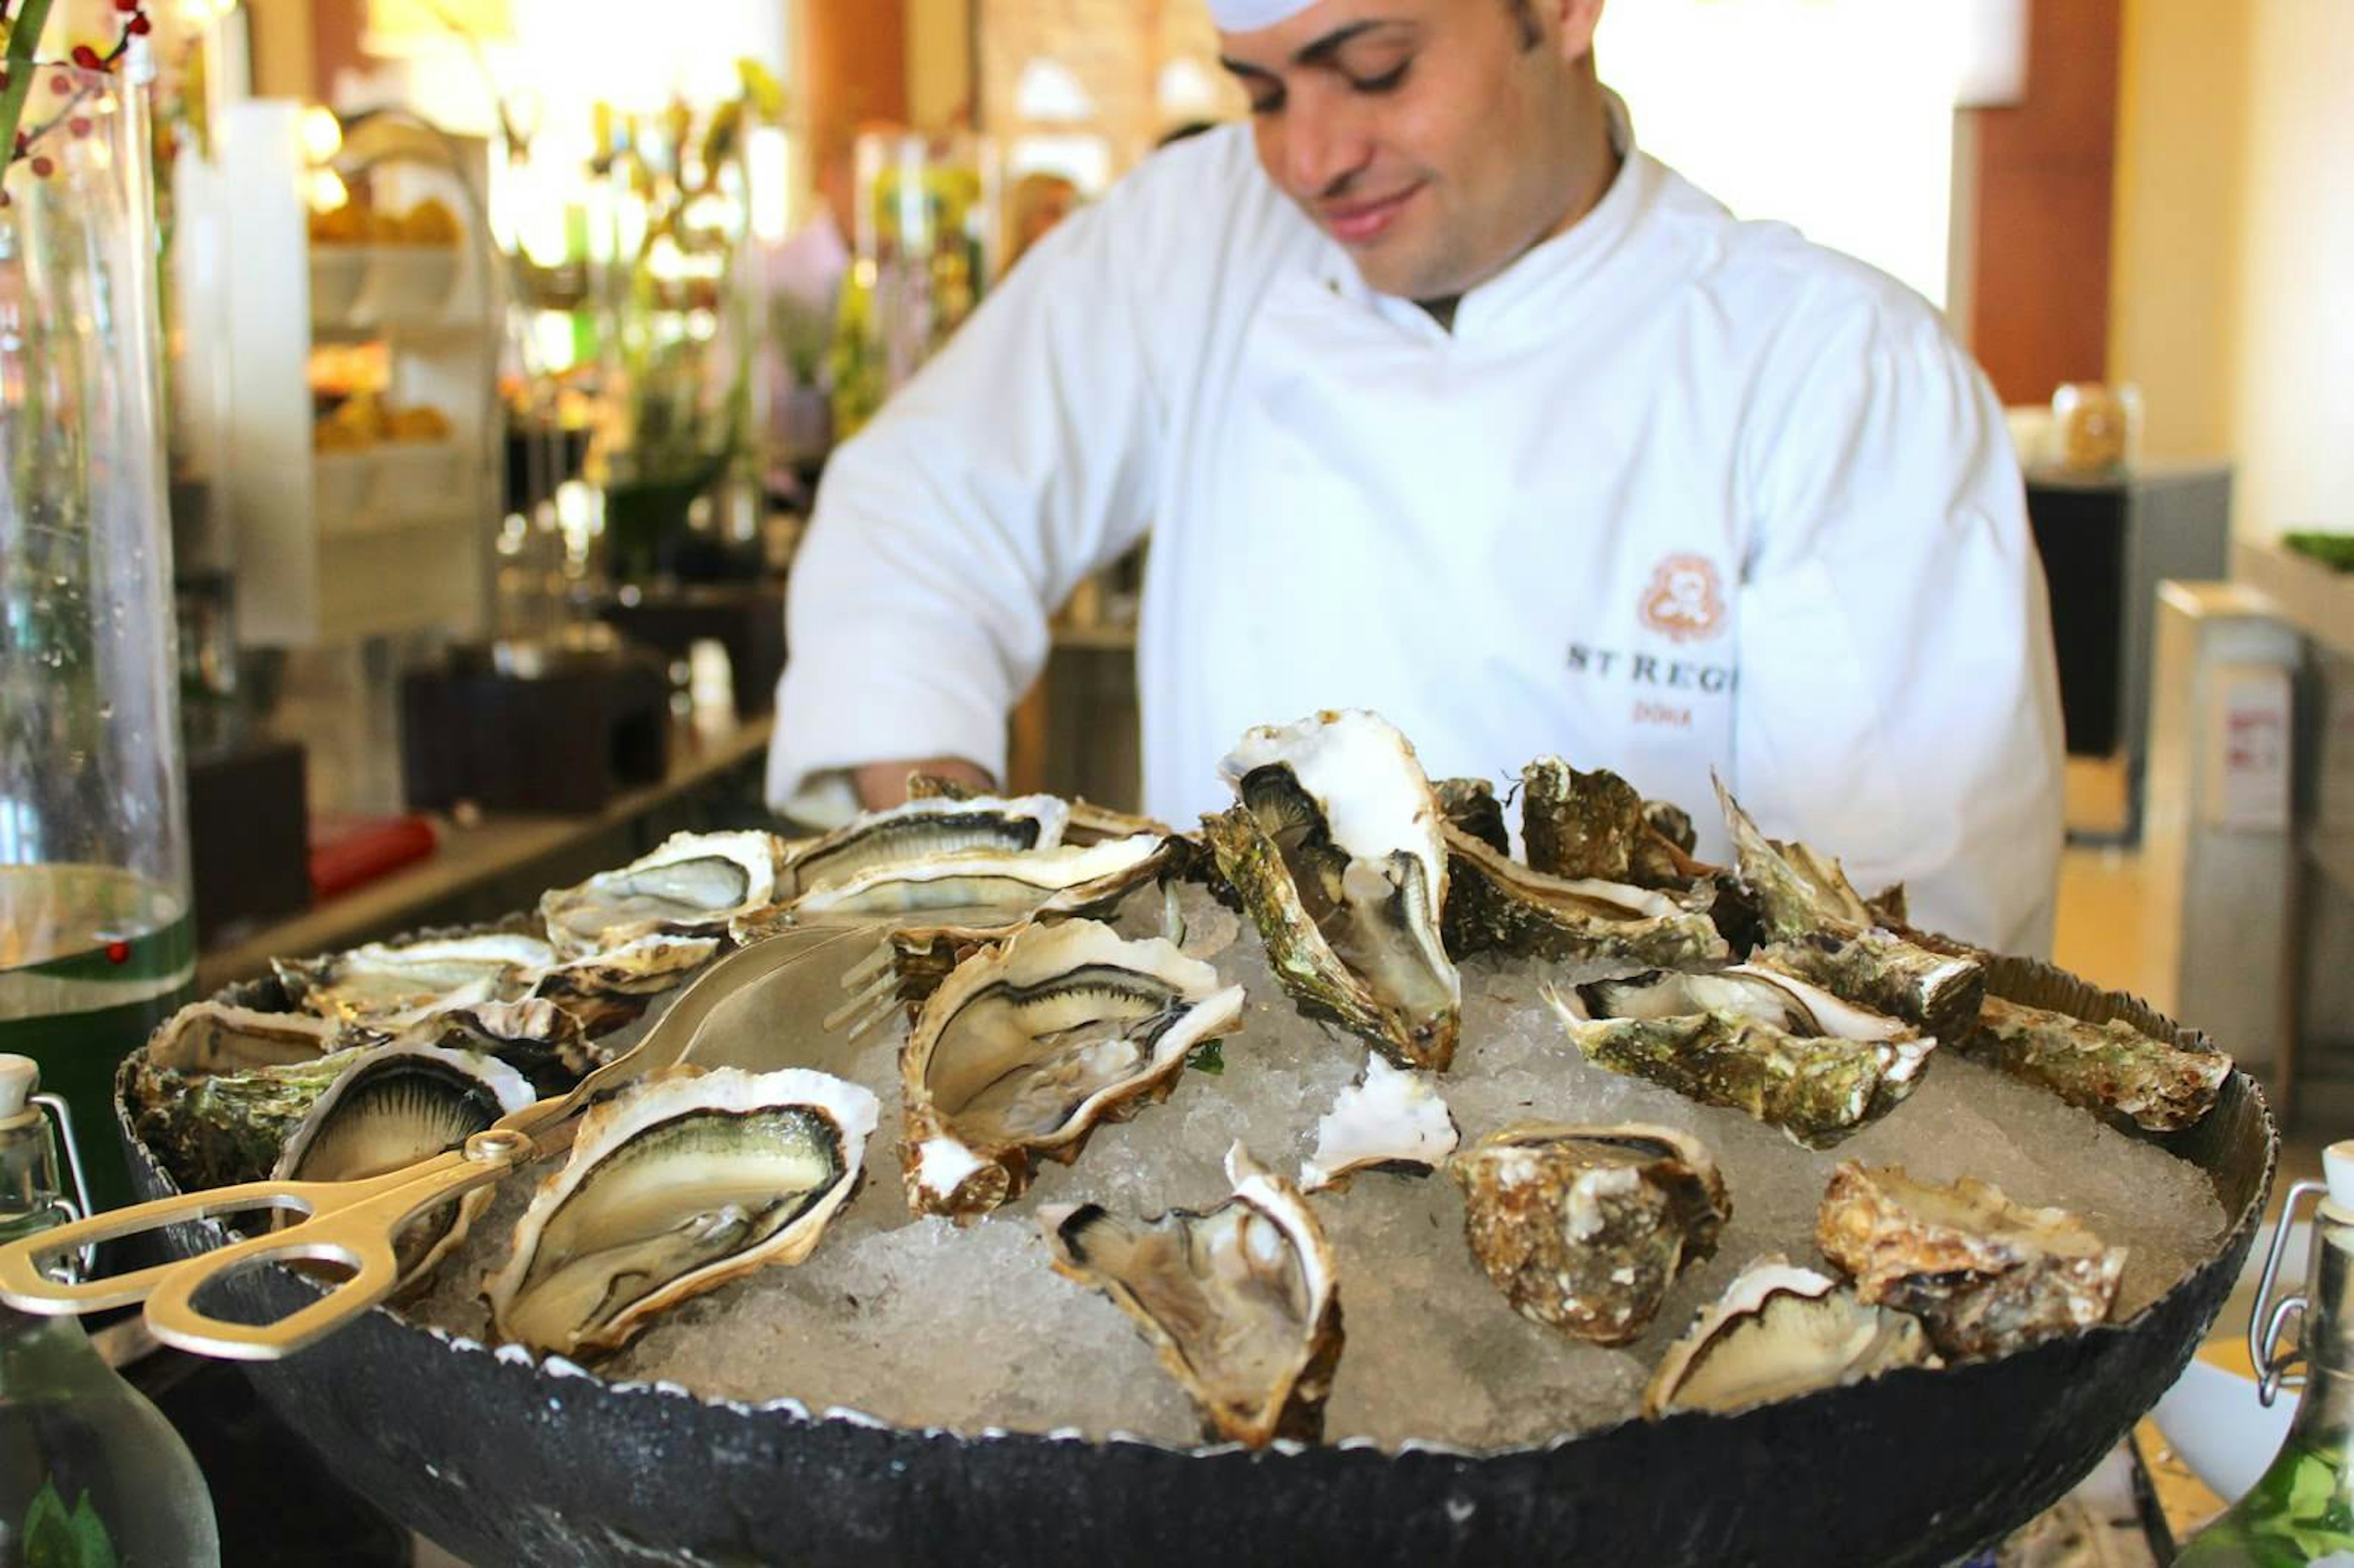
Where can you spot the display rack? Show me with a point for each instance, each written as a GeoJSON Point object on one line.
{"type": "Point", "coordinates": [337, 547]}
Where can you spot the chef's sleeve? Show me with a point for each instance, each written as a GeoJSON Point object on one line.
{"type": "Point", "coordinates": [1897, 700]}
{"type": "Point", "coordinates": [1015, 462]}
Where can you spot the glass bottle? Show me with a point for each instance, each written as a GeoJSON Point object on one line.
{"type": "Point", "coordinates": [91, 1472]}
{"type": "Point", "coordinates": [2301, 1510]}
{"type": "Point", "coordinates": [95, 938]}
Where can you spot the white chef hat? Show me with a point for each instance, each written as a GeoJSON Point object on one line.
{"type": "Point", "coordinates": [1250, 15]}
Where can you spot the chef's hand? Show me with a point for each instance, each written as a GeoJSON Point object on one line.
{"type": "Point", "coordinates": [882, 785]}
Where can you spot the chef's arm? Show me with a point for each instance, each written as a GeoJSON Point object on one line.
{"type": "Point", "coordinates": [1897, 700]}
{"type": "Point", "coordinates": [884, 784]}
{"type": "Point", "coordinates": [1017, 461]}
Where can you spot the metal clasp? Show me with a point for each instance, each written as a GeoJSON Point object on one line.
{"type": "Point", "coordinates": [2268, 1318]}
{"type": "Point", "coordinates": [77, 1207]}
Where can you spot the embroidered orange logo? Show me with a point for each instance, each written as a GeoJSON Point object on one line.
{"type": "Point", "coordinates": [1684, 599]}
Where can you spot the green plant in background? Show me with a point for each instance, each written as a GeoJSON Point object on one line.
{"type": "Point", "coordinates": [2335, 551]}
{"type": "Point", "coordinates": [920, 271]}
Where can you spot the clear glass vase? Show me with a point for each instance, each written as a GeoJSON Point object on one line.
{"type": "Point", "coordinates": [95, 937]}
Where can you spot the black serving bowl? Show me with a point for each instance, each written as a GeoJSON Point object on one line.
{"type": "Point", "coordinates": [504, 1459]}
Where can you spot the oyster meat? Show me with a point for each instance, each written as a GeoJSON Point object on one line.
{"type": "Point", "coordinates": [678, 1184]}
{"type": "Point", "coordinates": [1752, 1040]}
{"type": "Point", "coordinates": [1240, 1302]}
{"type": "Point", "coordinates": [1779, 1331]}
{"type": "Point", "coordinates": [392, 1107]}
{"type": "Point", "coordinates": [2103, 1067]}
{"type": "Point", "coordinates": [1595, 825]}
{"type": "Point", "coordinates": [692, 885]}
{"type": "Point", "coordinates": [1984, 1274]}
{"type": "Point", "coordinates": [924, 830]}
{"type": "Point", "coordinates": [1584, 1228]}
{"type": "Point", "coordinates": [1390, 1119]}
{"type": "Point", "coordinates": [994, 885]}
{"type": "Point", "coordinates": [1025, 1048]}
{"type": "Point", "coordinates": [388, 985]}
{"type": "Point", "coordinates": [1335, 850]}
{"type": "Point", "coordinates": [1494, 903]}
{"type": "Point", "coordinates": [1826, 932]}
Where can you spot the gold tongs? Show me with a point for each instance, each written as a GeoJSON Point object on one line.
{"type": "Point", "coordinates": [351, 1224]}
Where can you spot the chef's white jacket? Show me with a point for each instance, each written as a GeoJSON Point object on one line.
{"type": "Point", "coordinates": [1676, 492]}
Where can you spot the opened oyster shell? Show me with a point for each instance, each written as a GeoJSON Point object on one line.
{"type": "Point", "coordinates": [1240, 1301]}
{"type": "Point", "coordinates": [534, 1036]}
{"type": "Point", "coordinates": [1026, 1048]}
{"type": "Point", "coordinates": [1595, 825]}
{"type": "Point", "coordinates": [1753, 1040]}
{"type": "Point", "coordinates": [608, 989]}
{"type": "Point", "coordinates": [1779, 1331]}
{"type": "Point", "coordinates": [987, 885]}
{"type": "Point", "coordinates": [1390, 1119]}
{"type": "Point", "coordinates": [1825, 931]}
{"type": "Point", "coordinates": [220, 1128]}
{"type": "Point", "coordinates": [1984, 1274]}
{"type": "Point", "coordinates": [924, 830]}
{"type": "Point", "coordinates": [680, 1183]}
{"type": "Point", "coordinates": [1584, 1228]}
{"type": "Point", "coordinates": [694, 885]}
{"type": "Point", "coordinates": [1497, 904]}
{"type": "Point", "coordinates": [1470, 807]}
{"type": "Point", "coordinates": [1335, 852]}
{"type": "Point", "coordinates": [392, 1107]}
{"type": "Point", "coordinates": [388, 985]}
{"type": "Point", "coordinates": [214, 1037]}
{"type": "Point", "coordinates": [2107, 1067]}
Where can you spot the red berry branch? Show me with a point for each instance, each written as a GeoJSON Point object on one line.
{"type": "Point", "coordinates": [23, 22]}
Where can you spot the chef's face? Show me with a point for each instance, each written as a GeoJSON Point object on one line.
{"type": "Point", "coordinates": [1436, 140]}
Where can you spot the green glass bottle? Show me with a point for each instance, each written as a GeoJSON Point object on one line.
{"type": "Point", "coordinates": [91, 1474]}
{"type": "Point", "coordinates": [2301, 1510]}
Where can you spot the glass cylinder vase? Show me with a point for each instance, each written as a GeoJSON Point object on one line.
{"type": "Point", "coordinates": [96, 942]}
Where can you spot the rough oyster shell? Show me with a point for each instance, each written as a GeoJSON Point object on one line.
{"type": "Point", "coordinates": [1240, 1301]}
{"type": "Point", "coordinates": [1389, 1118]}
{"type": "Point", "coordinates": [608, 989]}
{"type": "Point", "coordinates": [983, 883]}
{"type": "Point", "coordinates": [1025, 1048]}
{"type": "Point", "coordinates": [392, 1107]}
{"type": "Point", "coordinates": [1470, 807]}
{"type": "Point", "coordinates": [2112, 1067]}
{"type": "Point", "coordinates": [214, 1037]}
{"type": "Point", "coordinates": [389, 985]}
{"type": "Point", "coordinates": [1335, 852]}
{"type": "Point", "coordinates": [1494, 903]}
{"type": "Point", "coordinates": [1779, 1331]}
{"type": "Point", "coordinates": [534, 1036]}
{"type": "Point", "coordinates": [1595, 825]}
{"type": "Point", "coordinates": [1584, 1228]}
{"type": "Point", "coordinates": [1984, 1274]}
{"type": "Point", "coordinates": [678, 1184]}
{"type": "Point", "coordinates": [1738, 1052]}
{"type": "Point", "coordinates": [925, 829]}
{"type": "Point", "coordinates": [1826, 932]}
{"type": "Point", "coordinates": [220, 1128]}
{"type": "Point", "coordinates": [693, 885]}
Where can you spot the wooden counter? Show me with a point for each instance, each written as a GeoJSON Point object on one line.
{"type": "Point", "coordinates": [504, 862]}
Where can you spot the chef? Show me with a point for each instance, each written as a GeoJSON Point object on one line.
{"type": "Point", "coordinates": [1440, 398]}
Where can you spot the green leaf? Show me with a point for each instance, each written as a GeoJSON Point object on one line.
{"type": "Point", "coordinates": [57, 1539]}
{"type": "Point", "coordinates": [1209, 1057]}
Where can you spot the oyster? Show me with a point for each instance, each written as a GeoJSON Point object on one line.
{"type": "Point", "coordinates": [2111, 1066]}
{"type": "Point", "coordinates": [1595, 825]}
{"type": "Point", "coordinates": [1335, 852]}
{"type": "Point", "coordinates": [1825, 931]}
{"type": "Point", "coordinates": [214, 1037]}
{"type": "Point", "coordinates": [536, 1037]}
{"type": "Point", "coordinates": [393, 1107]}
{"type": "Point", "coordinates": [927, 829]}
{"type": "Point", "coordinates": [980, 884]}
{"type": "Point", "coordinates": [609, 988]}
{"type": "Point", "coordinates": [1584, 1228]}
{"type": "Point", "coordinates": [678, 1184]}
{"type": "Point", "coordinates": [1240, 1301]}
{"type": "Point", "coordinates": [1494, 903]}
{"type": "Point", "coordinates": [692, 885]}
{"type": "Point", "coordinates": [1025, 1048]}
{"type": "Point", "coordinates": [218, 1129]}
{"type": "Point", "coordinates": [1779, 1331]}
{"type": "Point", "coordinates": [1470, 806]}
{"type": "Point", "coordinates": [389, 985]}
{"type": "Point", "coordinates": [1389, 1118]}
{"type": "Point", "coordinates": [1733, 1040]}
{"type": "Point", "coordinates": [1984, 1274]}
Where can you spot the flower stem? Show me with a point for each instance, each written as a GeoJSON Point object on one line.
{"type": "Point", "coordinates": [24, 38]}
